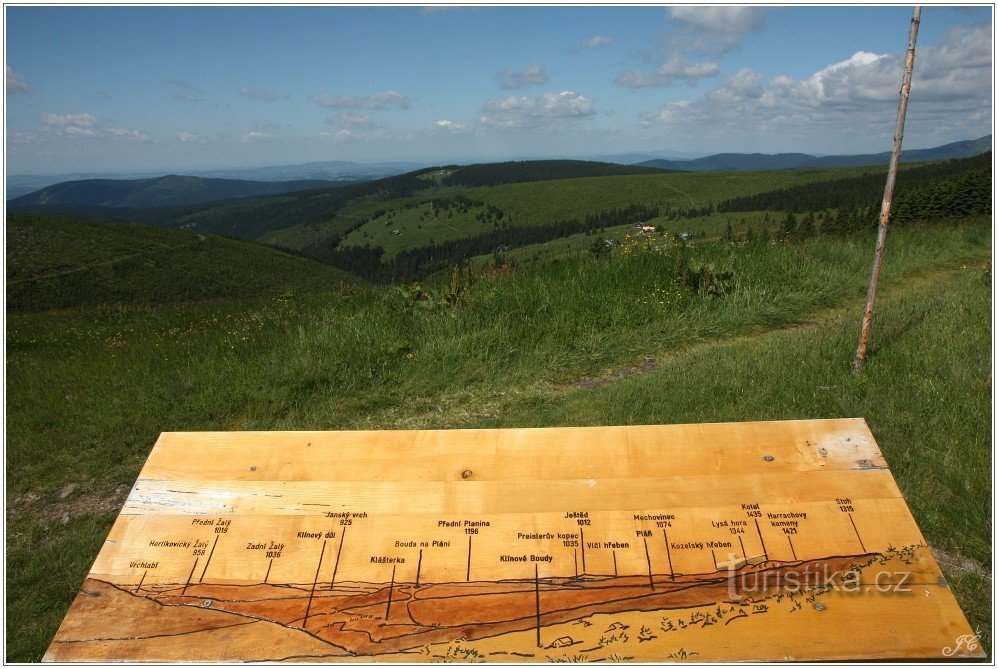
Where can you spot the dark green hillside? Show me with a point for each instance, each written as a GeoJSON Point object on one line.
{"type": "Point", "coordinates": [157, 192]}
{"type": "Point", "coordinates": [252, 218]}
{"type": "Point", "coordinates": [450, 214]}
{"type": "Point", "coordinates": [55, 263]}
{"type": "Point", "coordinates": [248, 218]}
{"type": "Point", "coordinates": [858, 190]}
{"type": "Point", "coordinates": [731, 162]}
{"type": "Point", "coordinates": [445, 214]}
{"type": "Point", "coordinates": [410, 237]}
{"type": "Point", "coordinates": [964, 149]}
{"type": "Point", "coordinates": [251, 209]}
{"type": "Point", "coordinates": [317, 212]}
{"type": "Point", "coordinates": [496, 174]}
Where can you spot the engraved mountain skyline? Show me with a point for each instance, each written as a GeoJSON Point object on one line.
{"type": "Point", "coordinates": [359, 618]}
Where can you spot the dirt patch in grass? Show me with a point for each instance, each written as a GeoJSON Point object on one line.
{"type": "Point", "coordinates": [70, 502]}
{"type": "Point", "coordinates": [648, 364]}
{"type": "Point", "coordinates": [958, 564]}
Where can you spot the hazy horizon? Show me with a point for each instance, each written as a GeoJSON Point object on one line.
{"type": "Point", "coordinates": [181, 170]}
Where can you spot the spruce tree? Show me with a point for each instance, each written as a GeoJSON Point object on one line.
{"type": "Point", "coordinates": [788, 228]}
{"type": "Point", "coordinates": [806, 228]}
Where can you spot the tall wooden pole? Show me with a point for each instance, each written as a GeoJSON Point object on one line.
{"type": "Point", "coordinates": [885, 207]}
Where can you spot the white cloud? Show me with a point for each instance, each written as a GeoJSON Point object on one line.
{"type": "Point", "coordinates": [185, 97]}
{"type": "Point", "coordinates": [696, 29]}
{"type": "Point", "coordinates": [69, 125]}
{"type": "Point", "coordinates": [126, 133]}
{"type": "Point", "coordinates": [594, 42]}
{"type": "Point", "coordinates": [381, 100]}
{"type": "Point", "coordinates": [256, 136]}
{"type": "Point", "coordinates": [16, 83]}
{"type": "Point", "coordinates": [739, 87]}
{"type": "Point", "coordinates": [82, 120]}
{"type": "Point", "coordinates": [715, 30]}
{"type": "Point", "coordinates": [448, 127]}
{"type": "Point", "coordinates": [951, 89]}
{"type": "Point", "coordinates": [86, 126]}
{"type": "Point", "coordinates": [76, 131]}
{"type": "Point", "coordinates": [194, 138]}
{"type": "Point", "coordinates": [338, 136]}
{"type": "Point", "coordinates": [344, 134]}
{"type": "Point", "coordinates": [542, 110]}
{"type": "Point", "coordinates": [258, 94]}
{"type": "Point", "coordinates": [532, 75]}
{"type": "Point", "coordinates": [21, 137]}
{"type": "Point", "coordinates": [354, 126]}
{"type": "Point", "coordinates": [675, 69]}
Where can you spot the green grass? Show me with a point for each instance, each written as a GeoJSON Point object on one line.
{"type": "Point", "coordinates": [313, 211]}
{"type": "Point", "coordinates": [418, 226]}
{"type": "Point", "coordinates": [89, 390]}
{"type": "Point", "coordinates": [715, 225]}
{"type": "Point", "coordinates": [556, 200]}
{"type": "Point", "coordinates": [297, 237]}
{"type": "Point", "coordinates": [43, 245]}
{"type": "Point", "coordinates": [297, 221]}
{"type": "Point", "coordinates": [703, 228]}
{"type": "Point", "coordinates": [536, 203]}
{"type": "Point", "coordinates": [56, 263]}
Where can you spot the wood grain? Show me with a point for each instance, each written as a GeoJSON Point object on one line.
{"type": "Point", "coordinates": [741, 541]}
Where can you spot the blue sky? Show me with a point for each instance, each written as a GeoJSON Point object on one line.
{"type": "Point", "coordinates": [174, 88]}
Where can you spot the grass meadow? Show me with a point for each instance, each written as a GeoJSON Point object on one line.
{"type": "Point", "coordinates": [573, 341]}
{"type": "Point", "coordinates": [710, 227]}
{"type": "Point", "coordinates": [541, 202]}
{"type": "Point", "coordinates": [56, 263]}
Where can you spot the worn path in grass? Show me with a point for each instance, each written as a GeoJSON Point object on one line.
{"type": "Point", "coordinates": [103, 263]}
{"type": "Point", "coordinates": [457, 411]}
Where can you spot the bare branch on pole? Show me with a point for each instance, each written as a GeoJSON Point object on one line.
{"type": "Point", "coordinates": [885, 207]}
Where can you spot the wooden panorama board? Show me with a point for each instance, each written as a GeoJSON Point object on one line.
{"type": "Point", "coordinates": [744, 541]}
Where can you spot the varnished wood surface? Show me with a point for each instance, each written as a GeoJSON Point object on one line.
{"type": "Point", "coordinates": [643, 543]}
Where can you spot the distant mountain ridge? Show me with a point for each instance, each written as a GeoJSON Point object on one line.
{"type": "Point", "coordinates": [328, 170]}
{"type": "Point", "coordinates": [331, 170]}
{"type": "Point", "coordinates": [111, 198]}
{"type": "Point", "coordinates": [740, 162]}
{"type": "Point", "coordinates": [163, 191]}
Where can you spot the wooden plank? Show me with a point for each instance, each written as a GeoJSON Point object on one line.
{"type": "Point", "coordinates": [717, 542]}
